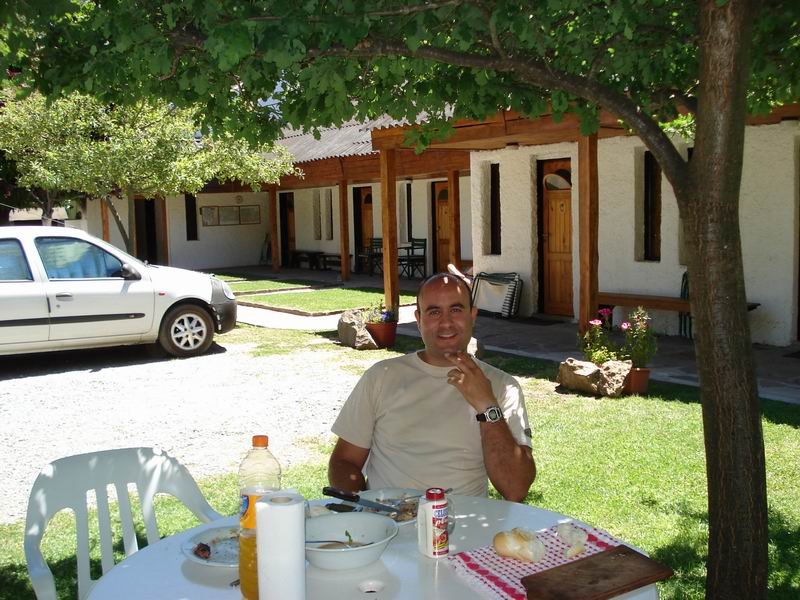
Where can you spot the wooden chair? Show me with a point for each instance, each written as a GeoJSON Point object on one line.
{"type": "Point", "coordinates": [371, 257]}
{"type": "Point", "coordinates": [415, 260]}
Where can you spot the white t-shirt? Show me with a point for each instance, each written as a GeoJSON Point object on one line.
{"type": "Point", "coordinates": [420, 430]}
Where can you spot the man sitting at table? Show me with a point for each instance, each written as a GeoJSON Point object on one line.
{"type": "Point", "coordinates": [438, 417]}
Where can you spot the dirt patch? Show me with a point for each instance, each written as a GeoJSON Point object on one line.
{"type": "Point", "coordinates": [201, 410]}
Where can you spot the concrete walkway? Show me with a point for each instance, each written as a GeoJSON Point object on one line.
{"type": "Point", "coordinates": [778, 368]}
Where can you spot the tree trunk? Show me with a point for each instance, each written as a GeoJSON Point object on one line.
{"type": "Point", "coordinates": [118, 220]}
{"type": "Point", "coordinates": [130, 241]}
{"type": "Point", "coordinates": [737, 493]}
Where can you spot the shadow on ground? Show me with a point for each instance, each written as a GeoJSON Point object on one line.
{"type": "Point", "coordinates": [92, 360]}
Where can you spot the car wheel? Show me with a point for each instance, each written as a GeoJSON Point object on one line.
{"type": "Point", "coordinates": [186, 330]}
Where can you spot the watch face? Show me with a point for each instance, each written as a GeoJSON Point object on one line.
{"type": "Point", "coordinates": [494, 414]}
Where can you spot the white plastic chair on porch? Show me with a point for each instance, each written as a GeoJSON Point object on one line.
{"type": "Point", "coordinates": [64, 484]}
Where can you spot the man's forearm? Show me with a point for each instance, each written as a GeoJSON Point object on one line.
{"type": "Point", "coordinates": [346, 476]}
{"type": "Point", "coordinates": [510, 467]}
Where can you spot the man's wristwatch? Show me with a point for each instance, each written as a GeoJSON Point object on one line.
{"type": "Point", "coordinates": [493, 414]}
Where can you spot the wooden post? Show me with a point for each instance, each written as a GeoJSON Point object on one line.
{"type": "Point", "coordinates": [272, 200]}
{"type": "Point", "coordinates": [344, 229]}
{"type": "Point", "coordinates": [588, 217]}
{"type": "Point", "coordinates": [104, 220]}
{"type": "Point", "coordinates": [454, 210]}
{"type": "Point", "coordinates": [389, 228]}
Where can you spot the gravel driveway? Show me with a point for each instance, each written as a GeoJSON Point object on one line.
{"type": "Point", "coordinates": [201, 410]}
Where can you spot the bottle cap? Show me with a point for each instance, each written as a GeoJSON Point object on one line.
{"type": "Point", "coordinates": [434, 494]}
{"type": "Point", "coordinates": [260, 441]}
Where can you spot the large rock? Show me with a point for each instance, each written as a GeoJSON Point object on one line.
{"type": "Point", "coordinates": [613, 375]}
{"type": "Point", "coordinates": [353, 333]}
{"type": "Point", "coordinates": [583, 376]}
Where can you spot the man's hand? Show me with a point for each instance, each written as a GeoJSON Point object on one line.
{"type": "Point", "coordinates": [510, 465]}
{"type": "Point", "coordinates": [468, 379]}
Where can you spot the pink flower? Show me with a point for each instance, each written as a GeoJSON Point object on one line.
{"type": "Point", "coordinates": [625, 326]}
{"type": "Point", "coordinates": [605, 312]}
{"type": "Point", "coordinates": [596, 322]}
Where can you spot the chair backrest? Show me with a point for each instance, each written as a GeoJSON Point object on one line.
{"type": "Point", "coordinates": [64, 483]}
{"type": "Point", "coordinates": [418, 246]}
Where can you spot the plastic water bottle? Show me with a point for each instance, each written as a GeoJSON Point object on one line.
{"type": "Point", "coordinates": [259, 474]}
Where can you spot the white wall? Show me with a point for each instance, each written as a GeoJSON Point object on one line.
{"type": "Point", "coordinates": [770, 222]}
{"type": "Point", "coordinates": [518, 230]}
{"type": "Point", "coordinates": [219, 245]}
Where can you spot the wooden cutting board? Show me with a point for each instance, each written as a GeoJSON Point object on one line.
{"type": "Point", "coordinates": [603, 575]}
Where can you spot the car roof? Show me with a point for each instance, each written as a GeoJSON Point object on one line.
{"type": "Point", "coordinates": [31, 231]}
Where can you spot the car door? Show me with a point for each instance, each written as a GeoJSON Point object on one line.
{"type": "Point", "coordinates": [24, 317]}
{"type": "Point", "coordinates": [88, 294]}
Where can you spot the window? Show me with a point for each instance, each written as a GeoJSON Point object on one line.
{"type": "Point", "coordinates": [651, 209]}
{"type": "Point", "coordinates": [190, 203]}
{"type": "Point", "coordinates": [328, 215]}
{"type": "Point", "coordinates": [494, 209]}
{"type": "Point", "coordinates": [68, 258]}
{"type": "Point", "coordinates": [13, 266]}
{"type": "Point", "coordinates": [317, 220]}
{"type": "Point", "coordinates": [231, 215]}
{"type": "Point", "coordinates": [404, 214]}
{"type": "Point", "coordinates": [409, 220]}
{"type": "Point", "coordinates": [682, 260]}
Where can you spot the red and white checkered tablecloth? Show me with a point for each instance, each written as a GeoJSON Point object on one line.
{"type": "Point", "coordinates": [499, 577]}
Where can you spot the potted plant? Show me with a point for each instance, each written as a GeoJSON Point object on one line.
{"type": "Point", "coordinates": [639, 347]}
{"type": "Point", "coordinates": [596, 343]}
{"type": "Point", "coordinates": [381, 324]}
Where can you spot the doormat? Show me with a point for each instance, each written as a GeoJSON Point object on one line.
{"type": "Point", "coordinates": [793, 355]}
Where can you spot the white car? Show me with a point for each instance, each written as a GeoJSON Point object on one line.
{"type": "Point", "coordinates": [64, 289]}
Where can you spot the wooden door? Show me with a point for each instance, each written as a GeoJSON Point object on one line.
{"type": "Point", "coordinates": [441, 223]}
{"type": "Point", "coordinates": [286, 200]}
{"type": "Point", "coordinates": [366, 215]}
{"type": "Point", "coordinates": [556, 237]}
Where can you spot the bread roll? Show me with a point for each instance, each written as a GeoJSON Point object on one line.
{"type": "Point", "coordinates": [518, 543]}
{"type": "Point", "coordinates": [571, 535]}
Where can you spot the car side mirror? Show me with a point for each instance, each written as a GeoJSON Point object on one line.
{"type": "Point", "coordinates": [128, 272]}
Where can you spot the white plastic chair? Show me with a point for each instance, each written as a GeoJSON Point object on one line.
{"type": "Point", "coordinates": [65, 482]}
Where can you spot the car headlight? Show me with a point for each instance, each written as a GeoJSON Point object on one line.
{"type": "Point", "coordinates": [226, 289]}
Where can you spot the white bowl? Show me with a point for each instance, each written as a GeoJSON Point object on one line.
{"type": "Point", "coordinates": [392, 497]}
{"type": "Point", "coordinates": [373, 530]}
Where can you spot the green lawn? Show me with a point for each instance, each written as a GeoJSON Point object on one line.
{"type": "Point", "coordinates": [633, 466]}
{"type": "Point", "coordinates": [326, 301]}
{"type": "Point", "coordinates": [268, 285]}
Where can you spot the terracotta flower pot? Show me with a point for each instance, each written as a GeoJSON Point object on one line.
{"type": "Point", "coordinates": [637, 381]}
{"type": "Point", "coordinates": [384, 334]}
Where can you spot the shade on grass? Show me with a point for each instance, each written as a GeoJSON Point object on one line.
{"type": "Point", "coordinates": [633, 466]}
{"type": "Point", "coordinates": [327, 301]}
{"type": "Point", "coordinates": [265, 285]}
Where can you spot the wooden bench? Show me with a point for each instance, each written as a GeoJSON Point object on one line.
{"type": "Point", "coordinates": [653, 302]}
{"type": "Point", "coordinates": [312, 257]}
{"type": "Point", "coordinates": [329, 260]}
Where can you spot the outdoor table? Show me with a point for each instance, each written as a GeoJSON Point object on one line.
{"type": "Point", "coordinates": [162, 572]}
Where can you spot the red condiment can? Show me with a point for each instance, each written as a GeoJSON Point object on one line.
{"type": "Point", "coordinates": [432, 537]}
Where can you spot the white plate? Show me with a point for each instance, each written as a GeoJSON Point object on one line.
{"type": "Point", "coordinates": [391, 496]}
{"type": "Point", "coordinates": [224, 543]}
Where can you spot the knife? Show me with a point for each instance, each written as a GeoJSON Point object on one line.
{"type": "Point", "coordinates": [356, 499]}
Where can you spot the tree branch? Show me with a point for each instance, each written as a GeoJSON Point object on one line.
{"type": "Point", "coordinates": [534, 72]}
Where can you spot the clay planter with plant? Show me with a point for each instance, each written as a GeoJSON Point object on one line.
{"type": "Point", "coordinates": [639, 347]}
{"type": "Point", "coordinates": [382, 325]}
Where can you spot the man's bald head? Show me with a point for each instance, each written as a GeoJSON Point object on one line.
{"type": "Point", "coordinates": [445, 279]}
